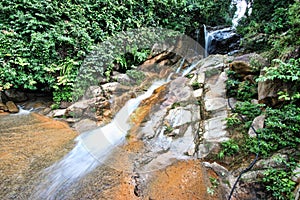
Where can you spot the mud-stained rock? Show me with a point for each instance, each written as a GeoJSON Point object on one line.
{"type": "Point", "coordinates": [28, 144]}
{"type": "Point", "coordinates": [247, 65]}
{"type": "Point", "coordinates": [182, 180]}
{"type": "Point", "coordinates": [11, 106]}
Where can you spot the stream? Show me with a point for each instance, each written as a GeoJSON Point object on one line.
{"type": "Point", "coordinates": [147, 147]}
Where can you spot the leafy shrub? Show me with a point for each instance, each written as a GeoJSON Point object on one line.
{"type": "Point", "coordinates": [248, 110]}
{"type": "Point", "coordinates": [233, 120]}
{"type": "Point", "coordinates": [41, 38]}
{"type": "Point", "coordinates": [229, 148]}
{"type": "Point", "coordinates": [278, 181]}
{"type": "Point", "coordinates": [287, 72]}
{"type": "Point", "coordinates": [282, 127]}
{"type": "Point", "coordinates": [246, 91]}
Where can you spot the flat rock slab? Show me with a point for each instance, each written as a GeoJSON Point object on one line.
{"type": "Point", "coordinates": [28, 144]}
{"type": "Point", "coordinates": [215, 129]}
{"type": "Point", "coordinates": [215, 104]}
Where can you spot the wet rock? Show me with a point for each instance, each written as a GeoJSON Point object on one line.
{"type": "Point", "coordinates": [224, 41]}
{"type": "Point", "coordinates": [15, 95]}
{"type": "Point", "coordinates": [29, 144]}
{"type": "Point", "coordinates": [11, 106]}
{"type": "Point", "coordinates": [85, 125]}
{"type": "Point", "coordinates": [257, 123]}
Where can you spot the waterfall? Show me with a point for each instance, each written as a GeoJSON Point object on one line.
{"type": "Point", "coordinates": [225, 33]}
{"type": "Point", "coordinates": [180, 66]}
{"type": "Point", "coordinates": [90, 151]}
{"type": "Point", "coordinates": [205, 41]}
{"type": "Point", "coordinates": [190, 68]}
{"type": "Point", "coordinates": [241, 8]}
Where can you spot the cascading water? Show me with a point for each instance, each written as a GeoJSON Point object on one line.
{"type": "Point", "coordinates": [90, 151]}
{"type": "Point", "coordinates": [241, 8]}
{"type": "Point", "coordinates": [225, 33]}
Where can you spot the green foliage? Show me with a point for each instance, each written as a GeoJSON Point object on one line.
{"type": "Point", "coordinates": [168, 129]}
{"type": "Point", "coordinates": [196, 85]}
{"type": "Point", "coordinates": [272, 26]}
{"type": "Point", "coordinates": [282, 127]}
{"type": "Point", "coordinates": [233, 121]}
{"type": "Point", "coordinates": [41, 38]}
{"type": "Point", "coordinates": [288, 72]}
{"type": "Point", "coordinates": [136, 75]}
{"type": "Point", "coordinates": [238, 88]}
{"type": "Point", "coordinates": [229, 148]}
{"type": "Point", "coordinates": [246, 91]}
{"type": "Point", "coordinates": [214, 185]}
{"type": "Point", "coordinates": [248, 109]}
{"type": "Point", "coordinates": [278, 181]}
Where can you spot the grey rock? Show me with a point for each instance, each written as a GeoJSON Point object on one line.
{"type": "Point", "coordinates": [296, 176]}
{"type": "Point", "coordinates": [275, 162]}
{"type": "Point", "coordinates": [85, 125]}
{"type": "Point", "coordinates": [215, 129]}
{"type": "Point", "coordinates": [198, 93]}
{"type": "Point", "coordinates": [219, 169]}
{"type": "Point", "coordinates": [257, 123]}
{"type": "Point", "coordinates": [215, 104]}
{"type": "Point", "coordinates": [57, 113]}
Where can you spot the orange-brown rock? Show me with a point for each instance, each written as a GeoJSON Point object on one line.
{"type": "Point", "coordinates": [11, 106]}
{"type": "Point", "coordinates": [28, 144]}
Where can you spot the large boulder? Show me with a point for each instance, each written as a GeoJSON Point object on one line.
{"type": "Point", "coordinates": [258, 123]}
{"type": "Point", "coordinates": [15, 95]}
{"type": "Point", "coordinates": [248, 64]}
{"type": "Point", "coordinates": [268, 92]}
{"type": "Point", "coordinates": [11, 106]}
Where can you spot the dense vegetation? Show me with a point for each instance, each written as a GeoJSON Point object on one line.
{"type": "Point", "coordinates": [273, 27]}
{"type": "Point", "coordinates": [43, 42]}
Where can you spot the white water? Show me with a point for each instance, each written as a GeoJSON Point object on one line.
{"type": "Point", "coordinates": [90, 151]}
{"type": "Point", "coordinates": [241, 8]}
{"type": "Point", "coordinates": [22, 111]}
{"type": "Point", "coordinates": [190, 68]}
{"type": "Point", "coordinates": [180, 66]}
